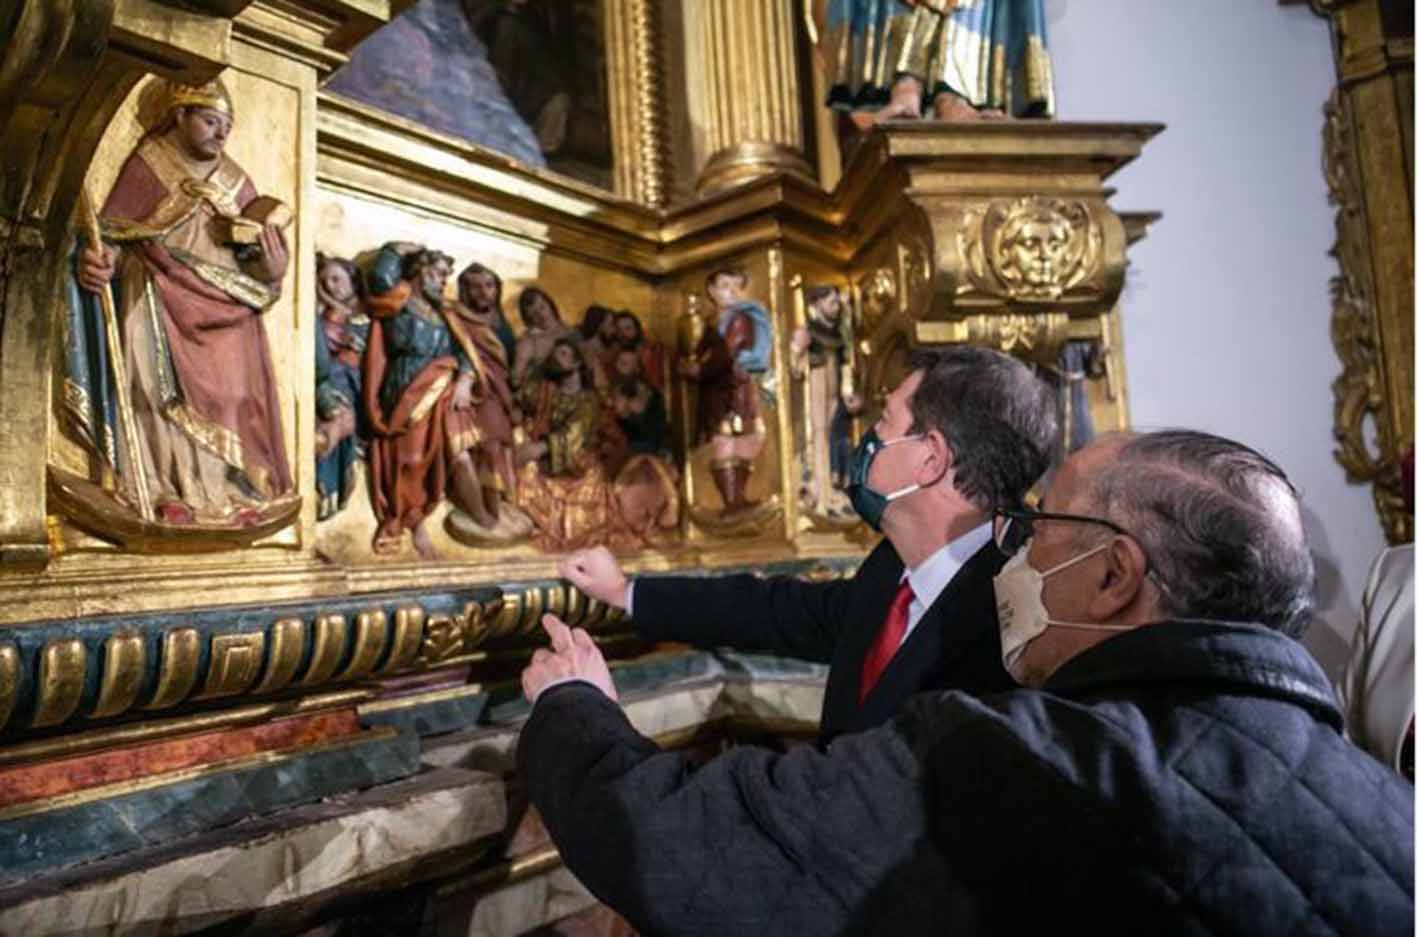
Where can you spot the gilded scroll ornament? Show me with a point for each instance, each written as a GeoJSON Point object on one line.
{"type": "Point", "coordinates": [61, 681]}
{"type": "Point", "coordinates": [1359, 400]}
{"type": "Point", "coordinates": [1029, 249]}
{"type": "Point", "coordinates": [123, 671]}
{"type": "Point", "coordinates": [444, 638]}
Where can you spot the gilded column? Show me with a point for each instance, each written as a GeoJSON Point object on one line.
{"type": "Point", "coordinates": [751, 88]}
{"type": "Point", "coordinates": [637, 90]}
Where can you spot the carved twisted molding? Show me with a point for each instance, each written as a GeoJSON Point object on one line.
{"type": "Point", "coordinates": [151, 667]}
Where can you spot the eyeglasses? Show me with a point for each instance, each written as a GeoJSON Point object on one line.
{"type": "Point", "coordinates": [1017, 527]}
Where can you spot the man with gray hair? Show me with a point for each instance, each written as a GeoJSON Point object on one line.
{"type": "Point", "coordinates": [967, 431]}
{"type": "Point", "coordinates": [1177, 765]}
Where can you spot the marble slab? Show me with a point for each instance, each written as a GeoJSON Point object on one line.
{"type": "Point", "coordinates": [64, 836]}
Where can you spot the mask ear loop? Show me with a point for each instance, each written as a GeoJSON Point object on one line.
{"type": "Point", "coordinates": [938, 478]}
{"type": "Point", "coordinates": [1081, 626]}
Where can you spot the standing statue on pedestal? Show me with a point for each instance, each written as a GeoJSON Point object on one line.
{"type": "Point", "coordinates": [947, 59]}
{"type": "Point", "coordinates": [822, 357]}
{"type": "Point", "coordinates": [420, 385]}
{"type": "Point", "coordinates": [730, 365]}
{"type": "Point", "coordinates": [193, 258]}
{"type": "Point", "coordinates": [339, 364]}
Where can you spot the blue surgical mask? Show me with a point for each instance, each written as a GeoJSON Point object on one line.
{"type": "Point", "coordinates": [868, 502]}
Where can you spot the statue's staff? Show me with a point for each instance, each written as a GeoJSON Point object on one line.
{"type": "Point", "coordinates": [116, 364]}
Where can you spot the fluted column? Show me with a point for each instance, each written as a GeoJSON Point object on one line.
{"type": "Point", "coordinates": [637, 90]}
{"type": "Point", "coordinates": [753, 116]}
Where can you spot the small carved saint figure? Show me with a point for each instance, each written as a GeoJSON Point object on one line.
{"type": "Point", "coordinates": [479, 312]}
{"type": "Point", "coordinates": [822, 357]}
{"type": "Point", "coordinates": [630, 334]}
{"type": "Point", "coordinates": [639, 406]}
{"type": "Point", "coordinates": [563, 413]}
{"type": "Point", "coordinates": [598, 342]}
{"type": "Point", "coordinates": [194, 258]}
{"type": "Point", "coordinates": [421, 393]}
{"type": "Point", "coordinates": [339, 394]}
{"type": "Point", "coordinates": [544, 328]}
{"type": "Point", "coordinates": [731, 363]}
{"type": "Point", "coordinates": [580, 484]}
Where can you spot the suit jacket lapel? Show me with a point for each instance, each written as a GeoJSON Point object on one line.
{"type": "Point", "coordinates": [878, 581]}
{"type": "Point", "coordinates": [961, 616]}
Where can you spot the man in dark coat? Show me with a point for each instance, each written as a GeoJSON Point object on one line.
{"type": "Point", "coordinates": [1178, 767]}
{"type": "Point", "coordinates": [968, 430]}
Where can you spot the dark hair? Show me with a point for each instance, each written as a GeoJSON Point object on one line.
{"type": "Point", "coordinates": [524, 300]}
{"type": "Point", "coordinates": [475, 268]}
{"type": "Point", "coordinates": [414, 261]}
{"type": "Point", "coordinates": [815, 294]}
{"type": "Point", "coordinates": [552, 370]}
{"type": "Point", "coordinates": [1220, 525]}
{"type": "Point", "coordinates": [595, 317]}
{"type": "Point", "coordinates": [737, 273]}
{"type": "Point", "coordinates": [639, 327]}
{"type": "Point", "coordinates": [998, 417]}
{"type": "Point", "coordinates": [329, 260]}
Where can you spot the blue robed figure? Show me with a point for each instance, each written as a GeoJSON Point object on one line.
{"type": "Point", "coordinates": [963, 55]}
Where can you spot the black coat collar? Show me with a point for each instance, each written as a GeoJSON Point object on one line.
{"type": "Point", "coordinates": [1246, 657]}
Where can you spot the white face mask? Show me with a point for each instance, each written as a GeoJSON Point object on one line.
{"type": "Point", "coordinates": [1018, 593]}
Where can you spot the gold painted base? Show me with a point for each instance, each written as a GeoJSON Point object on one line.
{"type": "Point", "coordinates": [96, 511]}
{"type": "Point", "coordinates": [743, 162]}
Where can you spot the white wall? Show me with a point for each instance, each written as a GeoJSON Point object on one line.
{"type": "Point", "coordinates": [1226, 309]}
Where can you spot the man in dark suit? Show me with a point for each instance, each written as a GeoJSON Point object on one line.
{"type": "Point", "coordinates": [968, 430]}
{"type": "Point", "coordinates": [1176, 767]}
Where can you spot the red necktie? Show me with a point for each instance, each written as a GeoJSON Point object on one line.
{"type": "Point", "coordinates": [887, 639]}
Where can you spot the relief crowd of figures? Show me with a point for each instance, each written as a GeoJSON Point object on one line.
{"type": "Point", "coordinates": [558, 434]}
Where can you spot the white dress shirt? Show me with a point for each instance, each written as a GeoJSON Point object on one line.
{"type": "Point", "coordinates": [931, 577]}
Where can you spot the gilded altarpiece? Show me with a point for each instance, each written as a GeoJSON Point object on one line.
{"type": "Point", "coordinates": [132, 662]}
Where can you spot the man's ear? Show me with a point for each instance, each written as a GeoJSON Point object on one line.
{"type": "Point", "coordinates": [1122, 581]}
{"type": "Point", "coordinates": [940, 461]}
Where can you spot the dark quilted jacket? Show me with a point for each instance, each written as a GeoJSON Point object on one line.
{"type": "Point", "coordinates": [1183, 778]}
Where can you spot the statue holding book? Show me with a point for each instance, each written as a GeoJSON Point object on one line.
{"type": "Point", "coordinates": [190, 259]}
